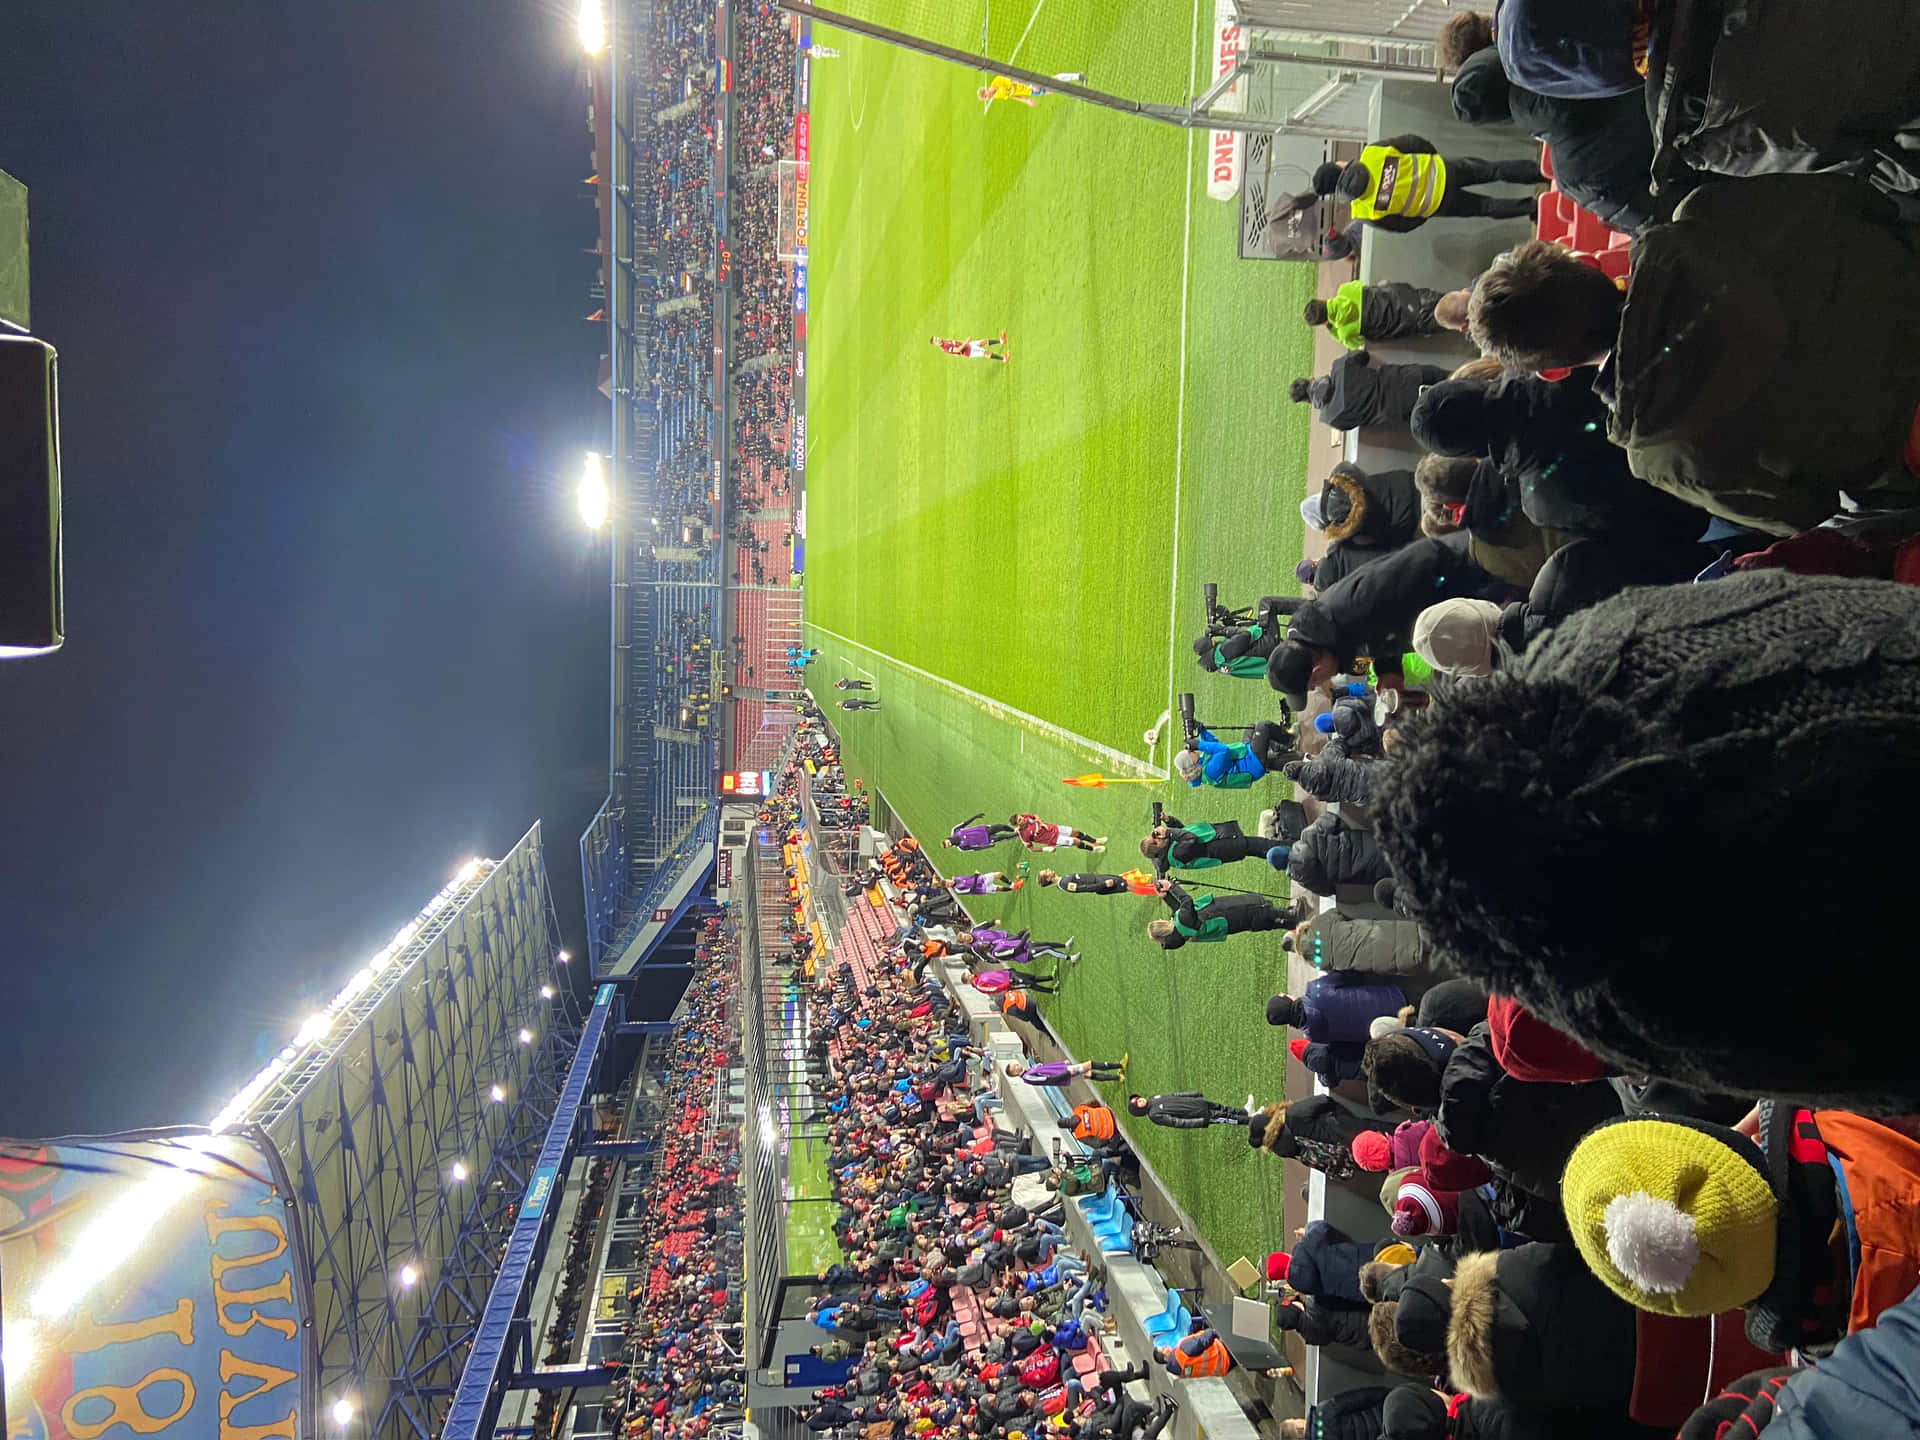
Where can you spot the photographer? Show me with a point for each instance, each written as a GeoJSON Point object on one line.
{"type": "Point", "coordinates": [1174, 845]}
{"type": "Point", "coordinates": [1214, 917]}
{"type": "Point", "coordinates": [1209, 761]}
{"type": "Point", "coordinates": [1233, 647]}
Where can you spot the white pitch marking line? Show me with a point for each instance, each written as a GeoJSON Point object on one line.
{"type": "Point", "coordinates": [1001, 711]}
{"type": "Point", "coordinates": [1038, 7]}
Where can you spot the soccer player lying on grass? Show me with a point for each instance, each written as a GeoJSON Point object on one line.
{"type": "Point", "coordinates": [1214, 917]}
{"type": "Point", "coordinates": [974, 349]}
{"type": "Point", "coordinates": [1133, 882]}
{"type": "Point", "coordinates": [1036, 834]}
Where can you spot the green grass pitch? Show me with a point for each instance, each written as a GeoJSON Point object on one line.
{"type": "Point", "coordinates": [1005, 548]}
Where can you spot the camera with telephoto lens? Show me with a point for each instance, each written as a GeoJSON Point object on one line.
{"type": "Point", "coordinates": [1220, 619]}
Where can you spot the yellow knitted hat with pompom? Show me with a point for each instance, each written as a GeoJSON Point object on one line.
{"type": "Point", "coordinates": [1675, 1216]}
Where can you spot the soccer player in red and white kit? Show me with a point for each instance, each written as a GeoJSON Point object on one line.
{"type": "Point", "coordinates": [1036, 834]}
{"type": "Point", "coordinates": [974, 349]}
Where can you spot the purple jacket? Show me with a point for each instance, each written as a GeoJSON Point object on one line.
{"type": "Point", "coordinates": [973, 884]}
{"type": "Point", "coordinates": [1048, 1072]}
{"type": "Point", "coordinates": [971, 837]}
{"type": "Point", "coordinates": [1339, 1010]}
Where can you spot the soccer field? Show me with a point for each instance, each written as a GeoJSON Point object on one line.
{"type": "Point", "coordinates": [1015, 552]}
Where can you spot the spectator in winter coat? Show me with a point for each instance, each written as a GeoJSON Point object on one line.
{"type": "Point", "coordinates": [1864, 1388]}
{"type": "Point", "coordinates": [1185, 1110]}
{"type": "Point", "coordinates": [1331, 941]}
{"type": "Point", "coordinates": [1333, 1062]}
{"type": "Point", "coordinates": [1335, 1007]}
{"type": "Point", "coordinates": [1334, 778]}
{"type": "Point", "coordinates": [1364, 516]}
{"type": "Point", "coordinates": [1813, 1227]}
{"type": "Point", "coordinates": [1323, 1322]}
{"type": "Point", "coordinates": [1358, 313]}
{"type": "Point", "coordinates": [1584, 573]}
{"type": "Point", "coordinates": [1325, 1263]}
{"type": "Point", "coordinates": [1398, 1151]}
{"type": "Point", "coordinates": [1729, 383]}
{"type": "Point", "coordinates": [1531, 1327]}
{"type": "Point", "coordinates": [1550, 439]}
{"type": "Point", "coordinates": [1402, 182]}
{"type": "Point", "coordinates": [1459, 637]}
{"type": "Point", "coordinates": [1462, 493]}
{"type": "Point", "coordinates": [1214, 917]}
{"type": "Point", "coordinates": [1370, 613]}
{"type": "Point", "coordinates": [1525, 1131]}
{"type": "Point", "coordinates": [1349, 725]}
{"type": "Point", "coordinates": [1686, 691]}
{"type": "Point", "coordinates": [1330, 853]}
{"type": "Point", "coordinates": [1348, 1415]}
{"type": "Point", "coordinates": [1359, 392]}
{"type": "Point", "coordinates": [1602, 148]}
{"type": "Point", "coordinates": [1318, 1131]}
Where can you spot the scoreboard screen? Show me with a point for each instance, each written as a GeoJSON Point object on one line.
{"type": "Point", "coordinates": [746, 784]}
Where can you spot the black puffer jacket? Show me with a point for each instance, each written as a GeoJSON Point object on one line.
{"type": "Point", "coordinates": [1500, 538]}
{"type": "Point", "coordinates": [1396, 310]}
{"type": "Point", "coordinates": [1534, 1328]}
{"type": "Point", "coordinates": [1550, 440]}
{"type": "Point", "coordinates": [1330, 852]}
{"type": "Point", "coordinates": [1378, 507]}
{"type": "Point", "coordinates": [1326, 1263]}
{"type": "Point", "coordinates": [1358, 391]}
{"type": "Point", "coordinates": [1602, 149]}
{"type": "Point", "coordinates": [1524, 1131]}
{"type": "Point", "coordinates": [1335, 778]}
{"type": "Point", "coordinates": [1318, 1131]}
{"type": "Point", "coordinates": [1323, 1323]}
{"type": "Point", "coordinates": [1740, 88]}
{"type": "Point", "coordinates": [1371, 612]}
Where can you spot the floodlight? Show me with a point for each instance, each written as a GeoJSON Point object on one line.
{"type": "Point", "coordinates": [592, 27]}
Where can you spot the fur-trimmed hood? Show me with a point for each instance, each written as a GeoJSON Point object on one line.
{"type": "Point", "coordinates": [1343, 492]}
{"type": "Point", "coordinates": [1470, 1333]}
{"type": "Point", "coordinates": [1533, 1327]}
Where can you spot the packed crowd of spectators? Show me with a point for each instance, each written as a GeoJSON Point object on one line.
{"type": "Point", "coordinates": [681, 1372]}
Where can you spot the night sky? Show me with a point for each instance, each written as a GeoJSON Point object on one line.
{"type": "Point", "coordinates": [317, 278]}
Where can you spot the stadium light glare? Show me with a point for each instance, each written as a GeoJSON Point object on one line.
{"type": "Point", "coordinates": [459, 1172]}
{"type": "Point", "coordinates": [342, 1410]}
{"type": "Point", "coordinates": [17, 1350]}
{"type": "Point", "coordinates": [496, 1093]}
{"type": "Point", "coordinates": [563, 957]}
{"type": "Point", "coordinates": [593, 493]}
{"type": "Point", "coordinates": [118, 1231]}
{"type": "Point", "coordinates": [592, 27]}
{"type": "Point", "coordinates": [526, 1036]}
{"type": "Point", "coordinates": [466, 872]}
{"type": "Point", "coordinates": [546, 992]}
{"type": "Point", "coordinates": [409, 1277]}
{"type": "Point", "coordinates": [769, 1137]}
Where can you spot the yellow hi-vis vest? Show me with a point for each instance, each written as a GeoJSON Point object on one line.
{"type": "Point", "coordinates": [1400, 184]}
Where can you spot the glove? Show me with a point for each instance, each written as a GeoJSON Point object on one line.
{"type": "Point", "coordinates": [1744, 1407]}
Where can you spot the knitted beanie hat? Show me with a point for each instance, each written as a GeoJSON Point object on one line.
{"type": "Point", "coordinates": [1454, 417]}
{"type": "Point", "coordinates": [1675, 1216]}
{"type": "Point", "coordinates": [1372, 1150]}
{"type": "Point", "coordinates": [1423, 1209]}
{"type": "Point", "coordinates": [1413, 1412]}
{"type": "Point", "coordinates": [1283, 1010]}
{"type": "Point", "coordinates": [1426, 1305]}
{"type": "Point", "coordinates": [1670, 701]}
{"type": "Point", "coordinates": [1297, 1047]}
{"type": "Point", "coordinates": [1306, 570]}
{"type": "Point", "coordinates": [1277, 1263]}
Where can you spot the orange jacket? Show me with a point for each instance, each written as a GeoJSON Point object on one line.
{"type": "Point", "coordinates": [1092, 1122]}
{"type": "Point", "coordinates": [1211, 1359]}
